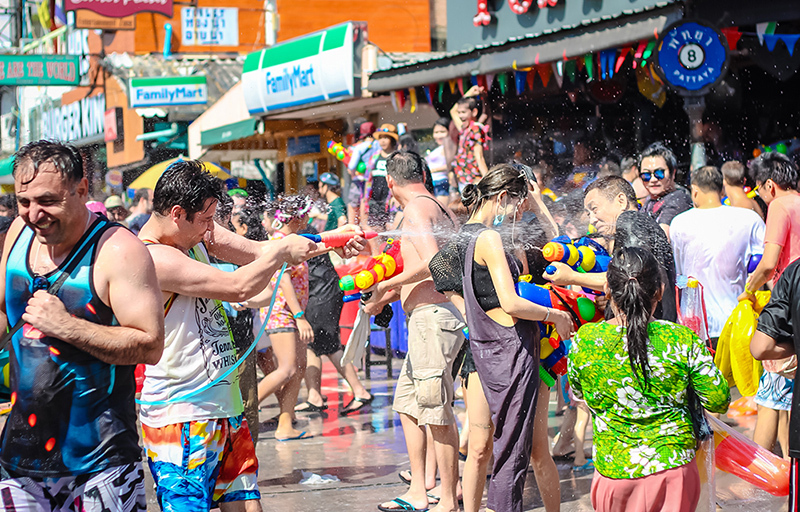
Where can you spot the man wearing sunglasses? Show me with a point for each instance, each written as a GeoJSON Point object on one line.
{"type": "Point", "coordinates": [666, 200]}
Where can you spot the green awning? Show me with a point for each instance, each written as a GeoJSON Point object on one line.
{"type": "Point", "coordinates": [229, 132]}
{"type": "Point", "coordinates": [6, 168]}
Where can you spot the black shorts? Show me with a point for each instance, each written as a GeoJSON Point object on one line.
{"type": "Point", "coordinates": [324, 319]}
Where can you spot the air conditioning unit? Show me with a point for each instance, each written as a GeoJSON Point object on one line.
{"type": "Point", "coordinates": [8, 133]}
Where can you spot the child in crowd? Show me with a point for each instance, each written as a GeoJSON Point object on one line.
{"type": "Point", "coordinates": [470, 163]}
{"type": "Point", "coordinates": [377, 189]}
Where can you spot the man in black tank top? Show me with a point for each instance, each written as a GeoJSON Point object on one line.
{"type": "Point", "coordinates": [82, 300]}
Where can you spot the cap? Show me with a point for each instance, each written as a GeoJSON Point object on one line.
{"type": "Point", "coordinates": [366, 128]}
{"type": "Point", "coordinates": [113, 202]}
{"type": "Point", "coordinates": [238, 192]}
{"type": "Point", "coordinates": [330, 179]}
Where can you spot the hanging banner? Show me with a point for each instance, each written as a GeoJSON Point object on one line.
{"type": "Point", "coordinates": [121, 8]}
{"type": "Point", "coordinates": [691, 57]}
{"type": "Point", "coordinates": [39, 70]}
{"type": "Point", "coordinates": [209, 26]}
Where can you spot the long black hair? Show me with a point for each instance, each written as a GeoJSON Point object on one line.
{"type": "Point", "coordinates": [635, 279]}
{"type": "Point", "coordinates": [502, 177]}
{"type": "Point", "coordinates": [252, 220]}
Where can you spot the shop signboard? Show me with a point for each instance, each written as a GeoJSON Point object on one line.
{"type": "Point", "coordinates": [692, 57]}
{"type": "Point", "coordinates": [39, 70]}
{"type": "Point", "coordinates": [80, 123]}
{"type": "Point", "coordinates": [120, 8]}
{"type": "Point", "coordinates": [91, 20]}
{"type": "Point", "coordinates": [311, 69]}
{"type": "Point", "coordinates": [168, 91]}
{"type": "Point", "coordinates": [209, 26]}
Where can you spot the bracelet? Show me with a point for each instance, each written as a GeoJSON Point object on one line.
{"type": "Point", "coordinates": [748, 292]}
{"type": "Point", "coordinates": [547, 315]}
{"type": "Point", "coordinates": [299, 315]}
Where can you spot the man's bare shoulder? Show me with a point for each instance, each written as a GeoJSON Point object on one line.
{"type": "Point", "coordinates": [427, 208]}
{"type": "Point", "coordinates": [121, 249]}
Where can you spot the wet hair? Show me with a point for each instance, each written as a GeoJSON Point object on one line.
{"type": "Point", "coordinates": [224, 210]}
{"type": "Point", "coordinates": [628, 162]}
{"type": "Point", "coordinates": [635, 279]}
{"type": "Point", "coordinates": [407, 142]}
{"type": "Point", "coordinates": [252, 220]}
{"type": "Point", "coordinates": [64, 157]}
{"type": "Point", "coordinates": [9, 202]}
{"type": "Point", "coordinates": [611, 186]}
{"type": "Point", "coordinates": [407, 167]}
{"type": "Point", "coordinates": [142, 193]}
{"type": "Point", "coordinates": [734, 173]}
{"type": "Point", "coordinates": [657, 149]}
{"type": "Point", "coordinates": [472, 103]}
{"type": "Point", "coordinates": [608, 167]}
{"type": "Point", "coordinates": [707, 179]}
{"type": "Point", "coordinates": [284, 209]}
{"type": "Point", "coordinates": [444, 122]}
{"type": "Point", "coordinates": [776, 167]}
{"type": "Point", "coordinates": [186, 183]}
{"type": "Point", "coordinates": [500, 178]}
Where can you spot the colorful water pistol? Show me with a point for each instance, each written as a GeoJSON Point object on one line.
{"type": "Point", "coordinates": [380, 267]}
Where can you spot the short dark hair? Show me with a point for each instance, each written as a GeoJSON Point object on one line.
{"type": "Point", "coordinates": [628, 162]}
{"type": "Point", "coordinates": [142, 193]}
{"type": "Point", "coordinates": [407, 167]}
{"type": "Point", "coordinates": [707, 179]}
{"type": "Point", "coordinates": [776, 167]}
{"type": "Point", "coordinates": [9, 202]}
{"type": "Point", "coordinates": [64, 157]}
{"type": "Point", "coordinates": [611, 187]}
{"type": "Point", "coordinates": [471, 102]}
{"type": "Point", "coordinates": [734, 173]}
{"type": "Point", "coordinates": [186, 183]}
{"type": "Point", "coordinates": [659, 149]}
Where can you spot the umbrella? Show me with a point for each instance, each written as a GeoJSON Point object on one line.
{"type": "Point", "coordinates": [149, 178]}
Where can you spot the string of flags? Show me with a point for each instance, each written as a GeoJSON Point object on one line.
{"type": "Point", "coordinates": [765, 32]}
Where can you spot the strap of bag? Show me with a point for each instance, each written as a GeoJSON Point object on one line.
{"type": "Point", "coordinates": [55, 286]}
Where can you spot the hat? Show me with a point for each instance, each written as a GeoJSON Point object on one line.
{"type": "Point", "coordinates": [366, 128]}
{"type": "Point", "coordinates": [238, 192]}
{"type": "Point", "coordinates": [387, 130]}
{"type": "Point", "coordinates": [330, 179]}
{"type": "Point", "coordinates": [97, 207]}
{"type": "Point", "coordinates": [113, 202]}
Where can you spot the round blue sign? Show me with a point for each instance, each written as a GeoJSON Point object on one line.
{"type": "Point", "coordinates": [692, 57]}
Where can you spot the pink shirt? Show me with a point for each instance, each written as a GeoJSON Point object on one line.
{"type": "Point", "coordinates": [783, 228]}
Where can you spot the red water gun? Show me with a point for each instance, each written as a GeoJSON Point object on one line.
{"type": "Point", "coordinates": [380, 267]}
{"type": "Point", "coordinates": [337, 239]}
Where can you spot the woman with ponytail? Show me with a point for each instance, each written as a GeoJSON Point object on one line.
{"type": "Point", "coordinates": [634, 373]}
{"type": "Point", "coordinates": [479, 271]}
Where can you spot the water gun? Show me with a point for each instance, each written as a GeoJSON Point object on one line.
{"type": "Point", "coordinates": [583, 255]}
{"type": "Point", "coordinates": [582, 309]}
{"type": "Point", "coordinates": [739, 456]}
{"type": "Point", "coordinates": [380, 267]}
{"type": "Point", "coordinates": [343, 154]}
{"type": "Point", "coordinates": [552, 361]}
{"type": "Point", "coordinates": [337, 239]}
{"type": "Point", "coordinates": [753, 262]}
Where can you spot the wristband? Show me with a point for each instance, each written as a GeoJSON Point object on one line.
{"type": "Point", "coordinates": [547, 315]}
{"type": "Point", "coordinates": [299, 315]}
{"type": "Point", "coordinates": [748, 292]}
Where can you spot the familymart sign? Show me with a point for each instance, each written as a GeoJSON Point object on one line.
{"type": "Point", "coordinates": [168, 91]}
{"type": "Point", "coordinates": [310, 69]}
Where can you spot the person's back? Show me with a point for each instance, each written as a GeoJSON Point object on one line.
{"type": "Point", "coordinates": [783, 228]}
{"type": "Point", "coordinates": [734, 174]}
{"type": "Point", "coordinates": [634, 373]}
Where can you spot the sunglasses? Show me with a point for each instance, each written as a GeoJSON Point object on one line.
{"type": "Point", "coordinates": [659, 174]}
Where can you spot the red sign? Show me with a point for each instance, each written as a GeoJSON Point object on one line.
{"type": "Point", "coordinates": [121, 8]}
{"type": "Point", "coordinates": [111, 132]}
{"type": "Point", "coordinates": [484, 17]}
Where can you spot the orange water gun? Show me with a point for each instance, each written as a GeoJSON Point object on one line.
{"type": "Point", "coordinates": [379, 268]}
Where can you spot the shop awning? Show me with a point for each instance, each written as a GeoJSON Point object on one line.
{"type": "Point", "coordinates": [6, 168]}
{"type": "Point", "coordinates": [567, 42]}
{"type": "Point", "coordinates": [228, 132]}
{"type": "Point", "coordinates": [149, 178]}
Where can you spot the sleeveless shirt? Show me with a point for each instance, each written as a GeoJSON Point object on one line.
{"type": "Point", "coordinates": [72, 413]}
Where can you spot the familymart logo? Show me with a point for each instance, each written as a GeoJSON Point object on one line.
{"type": "Point", "coordinates": [298, 78]}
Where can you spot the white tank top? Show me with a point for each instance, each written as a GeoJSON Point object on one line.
{"type": "Point", "coordinates": [198, 348]}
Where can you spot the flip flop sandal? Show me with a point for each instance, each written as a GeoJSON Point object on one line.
{"type": "Point", "coordinates": [404, 506]}
{"type": "Point", "coordinates": [566, 456]}
{"type": "Point", "coordinates": [309, 407]}
{"type": "Point", "coordinates": [362, 402]}
{"type": "Point", "coordinates": [298, 437]}
{"type": "Point", "coordinates": [462, 456]}
{"type": "Point", "coordinates": [403, 478]}
{"type": "Point", "coordinates": [589, 466]}
{"type": "Point", "coordinates": [434, 500]}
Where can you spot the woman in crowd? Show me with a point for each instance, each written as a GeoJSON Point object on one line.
{"type": "Point", "coordinates": [503, 338]}
{"type": "Point", "coordinates": [438, 163]}
{"type": "Point", "coordinates": [634, 373]}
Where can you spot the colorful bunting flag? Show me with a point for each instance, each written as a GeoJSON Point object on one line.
{"type": "Point", "coordinates": [412, 94]}
{"type": "Point", "coordinates": [502, 79]}
{"type": "Point", "coordinates": [588, 60]}
{"type": "Point", "coordinates": [557, 69]}
{"type": "Point", "coordinates": [489, 81]}
{"type": "Point", "coordinates": [623, 54]}
{"type": "Point", "coordinates": [545, 72]}
{"type": "Point", "coordinates": [519, 81]}
{"type": "Point", "coordinates": [732, 35]}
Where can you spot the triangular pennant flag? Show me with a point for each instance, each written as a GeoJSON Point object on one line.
{"type": "Point", "coordinates": [733, 35]}
{"type": "Point", "coordinates": [623, 54]}
{"type": "Point", "coordinates": [588, 60]}
{"type": "Point", "coordinates": [530, 78]}
{"type": "Point", "coordinates": [441, 91]}
{"type": "Point", "coordinates": [461, 86]}
{"type": "Point", "coordinates": [771, 40]}
{"type": "Point", "coordinates": [579, 64]}
{"type": "Point", "coordinates": [570, 69]}
{"type": "Point", "coordinates": [603, 65]}
{"type": "Point", "coordinates": [545, 72]}
{"type": "Point", "coordinates": [452, 84]}
{"type": "Point", "coordinates": [502, 79]}
{"type": "Point", "coordinates": [393, 97]}
{"type": "Point", "coordinates": [651, 86]}
{"type": "Point", "coordinates": [790, 40]}
{"type": "Point", "coordinates": [429, 93]}
{"type": "Point", "coordinates": [489, 81]}
{"type": "Point", "coordinates": [519, 81]}
{"type": "Point", "coordinates": [467, 83]}
{"type": "Point", "coordinates": [412, 94]}
{"type": "Point", "coordinates": [473, 80]}
{"type": "Point", "coordinates": [401, 100]}
{"type": "Point", "coordinates": [767, 27]}
{"type": "Point", "coordinates": [557, 69]}
{"type": "Point", "coordinates": [482, 82]}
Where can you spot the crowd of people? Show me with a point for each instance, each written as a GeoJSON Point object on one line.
{"type": "Point", "coordinates": [207, 286]}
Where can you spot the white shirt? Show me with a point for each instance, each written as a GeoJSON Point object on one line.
{"type": "Point", "coordinates": [198, 349]}
{"type": "Point", "coordinates": [714, 246]}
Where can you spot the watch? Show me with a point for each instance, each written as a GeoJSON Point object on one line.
{"type": "Point", "coordinates": [299, 315]}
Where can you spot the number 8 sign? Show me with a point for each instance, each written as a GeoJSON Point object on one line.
{"type": "Point", "coordinates": [692, 57]}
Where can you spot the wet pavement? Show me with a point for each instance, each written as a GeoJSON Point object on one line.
{"type": "Point", "coordinates": [365, 451]}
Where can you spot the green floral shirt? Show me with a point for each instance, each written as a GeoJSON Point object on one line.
{"type": "Point", "coordinates": [639, 432]}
